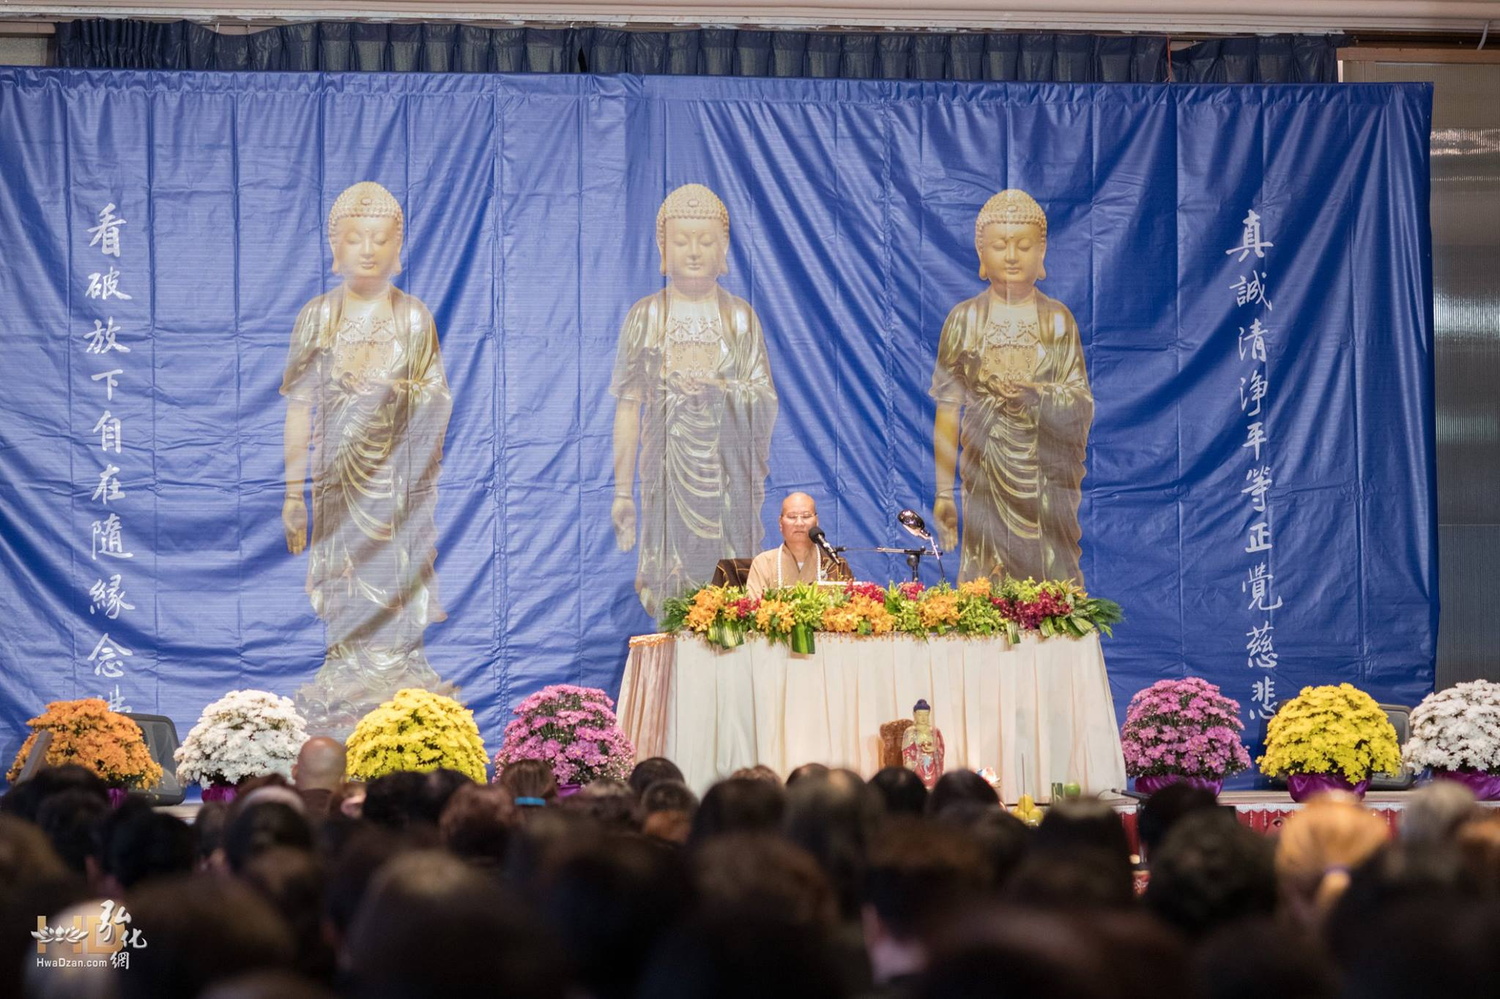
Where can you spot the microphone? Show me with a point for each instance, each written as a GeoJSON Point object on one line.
{"type": "Point", "coordinates": [817, 537]}
{"type": "Point", "coordinates": [914, 524]}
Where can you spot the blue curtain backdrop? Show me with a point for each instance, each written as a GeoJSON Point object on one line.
{"type": "Point", "coordinates": [530, 206]}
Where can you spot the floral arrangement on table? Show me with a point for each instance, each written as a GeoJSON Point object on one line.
{"type": "Point", "coordinates": [245, 733]}
{"type": "Point", "coordinates": [101, 741]}
{"type": "Point", "coordinates": [1456, 732]}
{"type": "Point", "coordinates": [1327, 737]}
{"type": "Point", "coordinates": [724, 615]}
{"type": "Point", "coordinates": [416, 730]}
{"type": "Point", "coordinates": [573, 729]}
{"type": "Point", "coordinates": [1182, 730]}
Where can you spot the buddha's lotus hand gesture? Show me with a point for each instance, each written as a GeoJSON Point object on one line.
{"type": "Point", "coordinates": [945, 512]}
{"type": "Point", "coordinates": [622, 515]}
{"type": "Point", "coordinates": [1019, 393]}
{"type": "Point", "coordinates": [294, 522]}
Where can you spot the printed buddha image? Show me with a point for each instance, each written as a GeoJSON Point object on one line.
{"type": "Point", "coordinates": [694, 409]}
{"type": "Point", "coordinates": [1013, 408]}
{"type": "Point", "coordinates": [366, 395]}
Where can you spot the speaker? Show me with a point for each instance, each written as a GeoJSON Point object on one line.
{"type": "Point", "coordinates": [161, 743]}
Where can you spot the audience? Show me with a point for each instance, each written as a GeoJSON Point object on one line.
{"type": "Point", "coordinates": [823, 885]}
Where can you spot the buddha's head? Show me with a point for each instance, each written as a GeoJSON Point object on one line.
{"type": "Point", "coordinates": [1010, 236]}
{"type": "Point", "coordinates": [921, 714]}
{"type": "Point", "coordinates": [692, 233]}
{"type": "Point", "coordinates": [364, 231]}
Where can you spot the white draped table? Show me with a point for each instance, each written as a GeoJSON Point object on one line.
{"type": "Point", "coordinates": [1038, 712]}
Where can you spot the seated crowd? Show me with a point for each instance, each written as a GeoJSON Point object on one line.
{"type": "Point", "coordinates": [427, 884]}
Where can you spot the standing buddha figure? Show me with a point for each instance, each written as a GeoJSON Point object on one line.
{"type": "Point", "coordinates": [1013, 408]}
{"type": "Point", "coordinates": [367, 397]}
{"type": "Point", "coordinates": [922, 746]}
{"type": "Point", "coordinates": [694, 409]}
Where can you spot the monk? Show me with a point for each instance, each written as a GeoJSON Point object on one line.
{"type": "Point", "coordinates": [797, 559]}
{"type": "Point", "coordinates": [1013, 409]}
{"type": "Point", "coordinates": [694, 409]}
{"type": "Point", "coordinates": [366, 392]}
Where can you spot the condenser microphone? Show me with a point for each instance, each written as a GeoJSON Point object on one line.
{"type": "Point", "coordinates": [817, 537]}
{"type": "Point", "coordinates": [914, 524]}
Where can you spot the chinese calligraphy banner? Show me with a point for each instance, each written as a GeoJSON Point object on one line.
{"type": "Point", "coordinates": [334, 384]}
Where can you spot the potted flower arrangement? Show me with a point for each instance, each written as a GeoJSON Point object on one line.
{"type": "Point", "coordinates": [1456, 732]}
{"type": "Point", "coordinates": [1327, 738]}
{"type": "Point", "coordinates": [1182, 731]}
{"type": "Point", "coordinates": [416, 730]}
{"type": "Point", "coordinates": [723, 615]}
{"type": "Point", "coordinates": [574, 730]}
{"type": "Point", "coordinates": [102, 741]}
{"type": "Point", "coordinates": [245, 733]}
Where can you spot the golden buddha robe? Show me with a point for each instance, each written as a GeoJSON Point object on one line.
{"type": "Point", "coordinates": [1020, 464]}
{"type": "Point", "coordinates": [376, 455]}
{"type": "Point", "coordinates": [703, 456]}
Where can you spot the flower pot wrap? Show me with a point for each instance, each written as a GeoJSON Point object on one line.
{"type": "Point", "coordinates": [802, 639]}
{"type": "Point", "coordinates": [218, 791]}
{"type": "Point", "coordinates": [1304, 786]}
{"type": "Point", "coordinates": [1156, 782]}
{"type": "Point", "coordinates": [1486, 787]}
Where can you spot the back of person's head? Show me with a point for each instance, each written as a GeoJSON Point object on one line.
{"type": "Point", "coordinates": [1432, 814]}
{"type": "Point", "coordinates": [199, 930]}
{"type": "Point", "coordinates": [759, 872]}
{"type": "Point", "coordinates": [545, 838]}
{"type": "Point", "coordinates": [70, 820]}
{"type": "Point", "coordinates": [209, 824]}
{"type": "Point", "coordinates": [33, 882]}
{"type": "Point", "coordinates": [320, 764]}
{"type": "Point", "coordinates": [137, 843]}
{"type": "Point", "coordinates": [741, 955]}
{"type": "Point", "coordinates": [1395, 874]}
{"type": "Point", "coordinates": [261, 826]}
{"type": "Point", "coordinates": [758, 772]}
{"type": "Point", "coordinates": [649, 771]}
{"type": "Point", "coordinates": [917, 872]}
{"type": "Point", "coordinates": [1478, 845]}
{"type": "Point", "coordinates": [1301, 970]}
{"type": "Point", "coordinates": [960, 786]}
{"type": "Point", "coordinates": [529, 781]}
{"type": "Point", "coordinates": [1160, 812]}
{"type": "Point", "coordinates": [292, 881]}
{"type": "Point", "coordinates": [438, 788]}
{"type": "Point", "coordinates": [1084, 880]}
{"type": "Point", "coordinates": [902, 791]}
{"type": "Point", "coordinates": [1004, 838]}
{"type": "Point", "coordinates": [669, 796]}
{"type": "Point", "coordinates": [610, 904]}
{"type": "Point", "coordinates": [1210, 872]}
{"type": "Point", "coordinates": [268, 985]}
{"type": "Point", "coordinates": [806, 770]}
{"type": "Point", "coordinates": [739, 804]}
{"type": "Point", "coordinates": [1318, 846]}
{"type": "Point", "coordinates": [1080, 851]}
{"type": "Point", "coordinates": [831, 816]}
{"type": "Point", "coordinates": [477, 823]}
{"type": "Point", "coordinates": [1015, 952]}
{"type": "Point", "coordinates": [25, 799]}
{"type": "Point", "coordinates": [612, 804]}
{"type": "Point", "coordinates": [350, 872]}
{"type": "Point", "coordinates": [1436, 946]}
{"type": "Point", "coordinates": [394, 801]}
{"type": "Point", "coordinates": [431, 925]}
{"type": "Point", "coordinates": [668, 807]}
